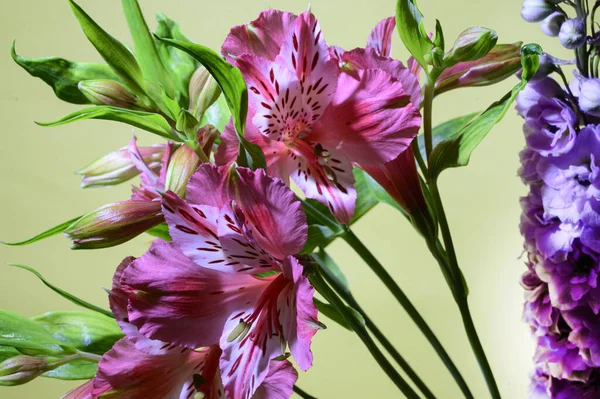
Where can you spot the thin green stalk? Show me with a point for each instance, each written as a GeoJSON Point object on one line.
{"type": "Point", "coordinates": [362, 333]}
{"type": "Point", "coordinates": [414, 314]}
{"type": "Point", "coordinates": [387, 345]}
{"type": "Point", "coordinates": [429, 92]}
{"type": "Point", "coordinates": [462, 299]}
{"type": "Point", "coordinates": [302, 393]}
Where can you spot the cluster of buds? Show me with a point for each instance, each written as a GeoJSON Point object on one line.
{"type": "Point", "coordinates": [555, 21]}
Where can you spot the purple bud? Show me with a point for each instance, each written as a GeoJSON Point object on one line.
{"type": "Point", "coordinates": [118, 167]}
{"type": "Point", "coordinates": [22, 369]}
{"type": "Point", "coordinates": [536, 10]}
{"type": "Point", "coordinates": [108, 92]}
{"type": "Point", "coordinates": [589, 97]}
{"type": "Point", "coordinates": [552, 23]}
{"type": "Point", "coordinates": [572, 33]}
{"type": "Point", "coordinates": [114, 224]}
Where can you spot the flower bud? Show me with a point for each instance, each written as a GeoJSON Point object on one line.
{"type": "Point", "coordinates": [118, 167]}
{"type": "Point", "coordinates": [108, 92]}
{"type": "Point", "coordinates": [547, 66]}
{"type": "Point", "coordinates": [589, 97]}
{"type": "Point", "coordinates": [182, 165]}
{"type": "Point", "coordinates": [572, 33]}
{"type": "Point", "coordinates": [435, 57]}
{"type": "Point", "coordinates": [552, 23]}
{"type": "Point", "coordinates": [114, 224]}
{"type": "Point", "coordinates": [500, 63]}
{"type": "Point", "coordinates": [203, 92]}
{"type": "Point", "coordinates": [22, 369]}
{"type": "Point", "coordinates": [472, 44]}
{"type": "Point", "coordinates": [536, 10]}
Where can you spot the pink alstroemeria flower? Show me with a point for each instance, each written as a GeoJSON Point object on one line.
{"type": "Point", "coordinates": [312, 119]}
{"type": "Point", "coordinates": [201, 288]}
{"type": "Point", "coordinates": [139, 368]}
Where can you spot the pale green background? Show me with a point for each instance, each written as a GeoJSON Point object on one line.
{"type": "Point", "coordinates": [39, 190]}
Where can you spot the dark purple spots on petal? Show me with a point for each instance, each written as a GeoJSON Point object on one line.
{"type": "Point", "coordinates": [232, 263]}
{"type": "Point", "coordinates": [338, 169]}
{"type": "Point", "coordinates": [237, 315]}
{"type": "Point", "coordinates": [314, 61]}
{"type": "Point", "coordinates": [199, 212]}
{"type": "Point", "coordinates": [267, 106]}
{"type": "Point", "coordinates": [341, 188]}
{"type": "Point", "coordinates": [207, 249]}
{"type": "Point", "coordinates": [245, 269]}
{"type": "Point", "coordinates": [335, 160]}
{"type": "Point", "coordinates": [216, 292]}
{"type": "Point", "coordinates": [317, 83]}
{"type": "Point", "coordinates": [235, 366]}
{"type": "Point", "coordinates": [213, 262]}
{"type": "Point", "coordinates": [317, 37]}
{"type": "Point", "coordinates": [186, 229]}
{"type": "Point", "coordinates": [168, 208]}
{"type": "Point", "coordinates": [294, 61]}
{"type": "Point", "coordinates": [295, 40]}
{"type": "Point", "coordinates": [323, 88]}
{"type": "Point", "coordinates": [187, 216]}
{"type": "Point", "coordinates": [255, 90]}
{"type": "Point", "coordinates": [272, 75]}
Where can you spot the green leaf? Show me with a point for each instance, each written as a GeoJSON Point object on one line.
{"type": "Point", "coordinates": [217, 114]}
{"type": "Point", "coordinates": [318, 237]}
{"type": "Point", "coordinates": [74, 370]}
{"type": "Point", "coordinates": [232, 84]}
{"type": "Point", "coordinates": [369, 193]}
{"type": "Point", "coordinates": [331, 313]}
{"type": "Point", "coordinates": [445, 130]}
{"type": "Point", "coordinates": [27, 336]}
{"type": "Point", "coordinates": [70, 297]}
{"type": "Point", "coordinates": [145, 50]}
{"type": "Point", "coordinates": [151, 122]}
{"type": "Point", "coordinates": [332, 270]}
{"type": "Point", "coordinates": [160, 231]}
{"type": "Point", "coordinates": [48, 233]}
{"type": "Point", "coordinates": [116, 55]}
{"type": "Point", "coordinates": [457, 149]}
{"type": "Point", "coordinates": [177, 62]}
{"type": "Point", "coordinates": [85, 331]}
{"type": "Point", "coordinates": [409, 22]}
{"type": "Point", "coordinates": [63, 75]}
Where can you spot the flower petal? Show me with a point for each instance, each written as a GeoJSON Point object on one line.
{"type": "Point", "coordinates": [370, 120]}
{"type": "Point", "coordinates": [298, 314]}
{"type": "Point", "coordinates": [331, 183]}
{"type": "Point", "coordinates": [206, 186]}
{"type": "Point", "coordinates": [174, 300]}
{"type": "Point", "coordinates": [194, 230]}
{"type": "Point", "coordinates": [273, 212]}
{"type": "Point", "coordinates": [306, 53]}
{"type": "Point", "coordinates": [84, 391]}
{"type": "Point", "coordinates": [279, 382]}
{"type": "Point", "coordinates": [126, 373]}
{"type": "Point", "coordinates": [380, 38]}
{"type": "Point", "coordinates": [262, 37]}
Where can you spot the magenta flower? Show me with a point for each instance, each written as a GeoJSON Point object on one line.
{"type": "Point", "coordinates": [312, 119]}
{"type": "Point", "coordinates": [201, 289]}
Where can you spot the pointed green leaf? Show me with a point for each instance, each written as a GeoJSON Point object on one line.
{"type": "Point", "coordinates": [27, 336]}
{"type": "Point", "coordinates": [63, 75]}
{"type": "Point", "coordinates": [217, 114]}
{"type": "Point", "coordinates": [151, 122]}
{"type": "Point", "coordinates": [456, 150]}
{"type": "Point", "coordinates": [368, 194]}
{"type": "Point", "coordinates": [69, 297]}
{"type": "Point", "coordinates": [116, 55]}
{"type": "Point", "coordinates": [145, 50]}
{"type": "Point", "coordinates": [333, 271]}
{"type": "Point", "coordinates": [178, 63]}
{"type": "Point", "coordinates": [48, 233]}
{"type": "Point", "coordinates": [160, 231]}
{"type": "Point", "coordinates": [232, 84]}
{"type": "Point", "coordinates": [409, 22]}
{"type": "Point", "coordinates": [445, 130]}
{"type": "Point", "coordinates": [318, 237]}
{"type": "Point", "coordinates": [331, 313]}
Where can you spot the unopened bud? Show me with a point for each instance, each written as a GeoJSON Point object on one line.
{"type": "Point", "coordinates": [203, 91]}
{"type": "Point", "coordinates": [114, 224]}
{"type": "Point", "coordinates": [589, 96]}
{"type": "Point", "coordinates": [552, 23]}
{"type": "Point", "coordinates": [572, 33]}
{"type": "Point", "coordinates": [118, 167]}
{"type": "Point", "coordinates": [435, 57]}
{"type": "Point", "coordinates": [22, 369]}
{"type": "Point", "coordinates": [182, 165]}
{"type": "Point", "coordinates": [472, 44]}
{"type": "Point", "coordinates": [536, 10]}
{"type": "Point", "coordinates": [500, 63]}
{"type": "Point", "coordinates": [108, 92]}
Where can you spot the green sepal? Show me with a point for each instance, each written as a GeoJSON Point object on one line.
{"type": "Point", "coordinates": [116, 55]}
{"type": "Point", "coordinates": [63, 75]}
{"type": "Point", "coordinates": [48, 233]}
{"type": "Point", "coordinates": [410, 25]}
{"type": "Point", "coordinates": [148, 121]}
{"type": "Point", "coordinates": [69, 297]}
{"type": "Point", "coordinates": [160, 231]}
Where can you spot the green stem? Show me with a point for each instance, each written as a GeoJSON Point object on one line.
{"type": "Point", "coordinates": [387, 345]}
{"type": "Point", "coordinates": [362, 333]}
{"type": "Point", "coordinates": [427, 114]}
{"type": "Point", "coordinates": [302, 393]}
{"type": "Point", "coordinates": [401, 297]}
{"type": "Point", "coordinates": [582, 52]}
{"type": "Point", "coordinates": [461, 297]}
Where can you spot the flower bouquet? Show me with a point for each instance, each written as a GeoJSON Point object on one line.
{"type": "Point", "coordinates": [271, 148]}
